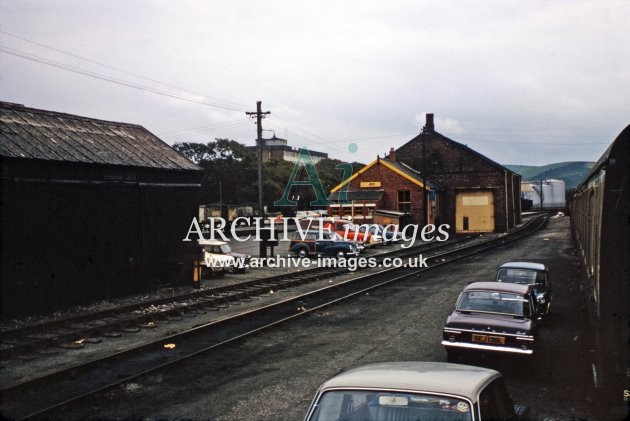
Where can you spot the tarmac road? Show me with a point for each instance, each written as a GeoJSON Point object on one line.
{"type": "Point", "coordinates": [274, 375]}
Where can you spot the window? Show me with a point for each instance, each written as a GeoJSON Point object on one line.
{"type": "Point", "coordinates": [378, 405]}
{"type": "Point", "coordinates": [494, 302]}
{"type": "Point", "coordinates": [404, 201]}
{"type": "Point", "coordinates": [520, 276]}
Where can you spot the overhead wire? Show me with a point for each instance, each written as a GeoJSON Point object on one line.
{"type": "Point", "coordinates": [118, 69]}
{"type": "Point", "coordinates": [206, 127]}
{"type": "Point", "coordinates": [192, 134]}
{"type": "Point", "coordinates": [106, 78]}
{"type": "Point", "coordinates": [455, 136]}
{"type": "Point", "coordinates": [519, 142]}
{"type": "Point", "coordinates": [318, 139]}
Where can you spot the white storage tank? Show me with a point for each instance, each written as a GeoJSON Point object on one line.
{"type": "Point", "coordinates": [551, 192]}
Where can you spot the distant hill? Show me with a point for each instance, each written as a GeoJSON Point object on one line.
{"type": "Point", "coordinates": [571, 172]}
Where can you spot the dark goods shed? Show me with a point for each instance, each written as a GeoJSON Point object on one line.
{"type": "Point", "coordinates": [474, 193]}
{"type": "Point", "coordinates": [90, 209]}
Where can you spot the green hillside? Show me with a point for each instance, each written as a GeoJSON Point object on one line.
{"type": "Point", "coordinates": [571, 172]}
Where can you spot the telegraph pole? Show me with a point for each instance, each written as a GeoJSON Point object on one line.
{"type": "Point", "coordinates": [259, 146]}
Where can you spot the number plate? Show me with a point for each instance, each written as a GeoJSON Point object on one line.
{"type": "Point", "coordinates": [485, 339]}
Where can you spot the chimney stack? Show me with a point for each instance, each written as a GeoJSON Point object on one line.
{"type": "Point", "coordinates": [392, 154]}
{"type": "Point", "coordinates": [428, 125]}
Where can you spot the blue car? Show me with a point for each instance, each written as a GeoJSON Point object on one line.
{"type": "Point", "coordinates": [324, 243]}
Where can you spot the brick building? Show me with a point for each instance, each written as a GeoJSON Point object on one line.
{"type": "Point", "coordinates": [474, 193]}
{"type": "Point", "coordinates": [384, 191]}
{"type": "Point", "coordinates": [464, 189]}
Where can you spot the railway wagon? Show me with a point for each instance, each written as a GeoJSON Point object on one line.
{"type": "Point", "coordinates": [600, 215]}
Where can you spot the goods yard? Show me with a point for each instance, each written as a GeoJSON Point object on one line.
{"type": "Point", "coordinates": [268, 337]}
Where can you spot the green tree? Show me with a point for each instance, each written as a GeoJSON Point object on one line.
{"type": "Point", "coordinates": [278, 173]}
{"type": "Point", "coordinates": [230, 170]}
{"type": "Point", "coordinates": [231, 175]}
{"type": "Point", "coordinates": [330, 175]}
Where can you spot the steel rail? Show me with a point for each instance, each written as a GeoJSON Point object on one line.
{"type": "Point", "coordinates": [38, 397]}
{"type": "Point", "coordinates": [30, 339]}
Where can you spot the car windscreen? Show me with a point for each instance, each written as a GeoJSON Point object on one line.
{"type": "Point", "coordinates": [494, 302]}
{"type": "Point", "coordinates": [370, 405]}
{"type": "Point", "coordinates": [225, 248]}
{"type": "Point", "coordinates": [520, 276]}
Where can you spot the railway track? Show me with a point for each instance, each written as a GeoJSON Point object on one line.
{"type": "Point", "coordinates": [36, 398]}
{"type": "Point", "coordinates": [82, 330]}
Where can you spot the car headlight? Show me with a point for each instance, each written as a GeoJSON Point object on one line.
{"type": "Point", "coordinates": [451, 334]}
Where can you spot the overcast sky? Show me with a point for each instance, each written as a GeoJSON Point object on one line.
{"type": "Point", "coordinates": [523, 82]}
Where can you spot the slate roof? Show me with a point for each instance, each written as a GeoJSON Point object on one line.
{"type": "Point", "coordinates": [433, 134]}
{"type": "Point", "coordinates": [412, 173]}
{"type": "Point", "coordinates": [47, 135]}
{"type": "Point", "coordinates": [400, 168]}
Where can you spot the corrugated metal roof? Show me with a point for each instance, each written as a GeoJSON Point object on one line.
{"type": "Point", "coordinates": [39, 134]}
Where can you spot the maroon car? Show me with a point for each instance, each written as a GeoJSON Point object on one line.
{"type": "Point", "coordinates": [493, 317]}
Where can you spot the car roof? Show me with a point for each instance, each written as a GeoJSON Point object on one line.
{"type": "Point", "coordinates": [431, 377]}
{"type": "Point", "coordinates": [523, 265]}
{"type": "Point", "coordinates": [498, 287]}
{"type": "Point", "coordinates": [211, 242]}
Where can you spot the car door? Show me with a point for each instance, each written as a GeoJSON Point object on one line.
{"type": "Point", "coordinates": [310, 239]}
{"type": "Point", "coordinates": [324, 242]}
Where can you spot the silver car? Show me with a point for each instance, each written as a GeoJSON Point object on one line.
{"type": "Point", "coordinates": [408, 391]}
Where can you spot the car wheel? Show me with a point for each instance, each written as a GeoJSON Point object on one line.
{"type": "Point", "coordinates": [218, 272]}
{"type": "Point", "coordinates": [302, 252]}
{"type": "Point", "coordinates": [341, 254]}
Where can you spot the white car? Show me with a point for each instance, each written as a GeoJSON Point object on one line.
{"type": "Point", "coordinates": [407, 391]}
{"type": "Point", "coordinates": [375, 234]}
{"type": "Point", "coordinates": [216, 259]}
